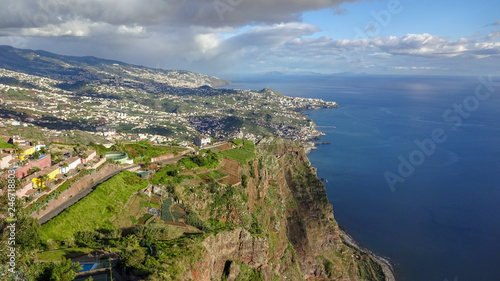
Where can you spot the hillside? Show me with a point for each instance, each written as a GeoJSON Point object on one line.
{"type": "Point", "coordinates": [282, 225]}
{"type": "Point", "coordinates": [122, 101]}
{"type": "Point", "coordinates": [78, 71]}
{"type": "Point", "coordinates": [253, 212]}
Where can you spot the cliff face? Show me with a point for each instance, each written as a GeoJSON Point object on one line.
{"type": "Point", "coordinates": [283, 226]}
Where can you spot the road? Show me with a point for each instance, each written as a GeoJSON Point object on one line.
{"type": "Point", "coordinates": [59, 209]}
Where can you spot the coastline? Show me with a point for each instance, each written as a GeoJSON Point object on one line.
{"type": "Point", "coordinates": [383, 262]}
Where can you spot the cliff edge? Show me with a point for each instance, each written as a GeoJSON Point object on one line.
{"type": "Point", "coordinates": [275, 224]}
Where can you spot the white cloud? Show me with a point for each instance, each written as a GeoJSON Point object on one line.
{"type": "Point", "coordinates": [494, 35]}
{"type": "Point", "coordinates": [189, 34]}
{"type": "Point", "coordinates": [134, 30]}
{"type": "Point", "coordinates": [77, 28]}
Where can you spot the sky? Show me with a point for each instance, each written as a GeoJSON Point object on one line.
{"type": "Point", "coordinates": [236, 37]}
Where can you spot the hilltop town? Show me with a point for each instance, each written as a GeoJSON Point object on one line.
{"type": "Point", "coordinates": [118, 113]}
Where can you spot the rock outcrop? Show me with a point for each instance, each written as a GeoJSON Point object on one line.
{"type": "Point", "coordinates": [284, 226]}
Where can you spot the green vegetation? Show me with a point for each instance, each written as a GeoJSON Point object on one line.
{"type": "Point", "coordinates": [65, 270]}
{"type": "Point", "coordinates": [145, 218]}
{"type": "Point", "coordinates": [57, 255]}
{"type": "Point", "coordinates": [186, 162]}
{"type": "Point", "coordinates": [158, 232]}
{"type": "Point", "coordinates": [165, 210]}
{"type": "Point", "coordinates": [165, 174]}
{"type": "Point", "coordinates": [144, 148]}
{"type": "Point", "coordinates": [241, 154]}
{"type": "Point", "coordinates": [237, 142]}
{"type": "Point", "coordinates": [5, 145]}
{"type": "Point", "coordinates": [175, 256]}
{"type": "Point", "coordinates": [208, 160]}
{"type": "Point", "coordinates": [213, 175]}
{"type": "Point", "coordinates": [244, 180]}
{"type": "Point", "coordinates": [95, 210]}
{"type": "Point", "coordinates": [249, 274]}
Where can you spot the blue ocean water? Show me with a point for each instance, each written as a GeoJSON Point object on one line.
{"type": "Point", "coordinates": [443, 221]}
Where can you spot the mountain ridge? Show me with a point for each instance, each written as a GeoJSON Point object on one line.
{"type": "Point", "coordinates": [93, 69]}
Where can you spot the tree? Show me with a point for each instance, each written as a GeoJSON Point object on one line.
{"type": "Point", "coordinates": [33, 170]}
{"type": "Point", "coordinates": [65, 270]}
{"type": "Point", "coordinates": [45, 178]}
{"type": "Point", "coordinates": [17, 149]}
{"type": "Point", "coordinates": [43, 150]}
{"type": "Point", "coordinates": [65, 165]}
{"type": "Point", "coordinates": [35, 155]}
{"type": "Point", "coordinates": [147, 162]}
{"type": "Point", "coordinates": [29, 234]}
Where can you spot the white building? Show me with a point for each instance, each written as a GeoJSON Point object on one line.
{"type": "Point", "coordinates": [201, 141]}
{"type": "Point", "coordinates": [72, 163]}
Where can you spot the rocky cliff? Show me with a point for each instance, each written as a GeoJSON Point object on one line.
{"type": "Point", "coordinates": [280, 225]}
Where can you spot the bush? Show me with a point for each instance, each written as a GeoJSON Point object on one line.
{"type": "Point", "coordinates": [244, 181]}
{"type": "Point", "coordinates": [158, 231]}
{"type": "Point", "coordinates": [195, 220]}
{"type": "Point", "coordinates": [133, 257]}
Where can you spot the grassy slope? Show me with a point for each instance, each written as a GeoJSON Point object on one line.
{"type": "Point", "coordinates": [241, 154]}
{"type": "Point", "coordinates": [5, 145]}
{"type": "Point", "coordinates": [95, 210]}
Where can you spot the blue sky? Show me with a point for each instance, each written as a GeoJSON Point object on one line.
{"type": "Point", "coordinates": [452, 19]}
{"type": "Point", "coordinates": [224, 37]}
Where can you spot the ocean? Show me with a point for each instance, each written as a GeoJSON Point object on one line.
{"type": "Point", "coordinates": [413, 168]}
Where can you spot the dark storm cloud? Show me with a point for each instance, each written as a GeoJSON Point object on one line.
{"type": "Point", "coordinates": [215, 13]}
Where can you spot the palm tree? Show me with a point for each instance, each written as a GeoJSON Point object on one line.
{"type": "Point", "coordinates": [45, 178]}
{"type": "Point", "coordinates": [17, 149]}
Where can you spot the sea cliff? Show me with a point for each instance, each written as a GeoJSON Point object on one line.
{"type": "Point", "coordinates": [278, 224]}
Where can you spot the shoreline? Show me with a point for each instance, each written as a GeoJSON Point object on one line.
{"type": "Point", "coordinates": [383, 262]}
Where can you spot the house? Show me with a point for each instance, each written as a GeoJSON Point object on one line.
{"type": "Point", "coordinates": [26, 151]}
{"type": "Point", "coordinates": [42, 162]}
{"type": "Point", "coordinates": [202, 140]}
{"type": "Point", "coordinates": [4, 160]}
{"type": "Point", "coordinates": [52, 172]}
{"type": "Point", "coordinates": [145, 174]}
{"type": "Point", "coordinates": [20, 141]}
{"type": "Point", "coordinates": [21, 172]}
{"type": "Point", "coordinates": [39, 146]}
{"type": "Point", "coordinates": [72, 163]}
{"type": "Point", "coordinates": [148, 190]}
{"type": "Point", "coordinates": [26, 186]}
{"type": "Point", "coordinates": [91, 154]}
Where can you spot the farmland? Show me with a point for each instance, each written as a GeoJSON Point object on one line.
{"type": "Point", "coordinates": [243, 153]}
